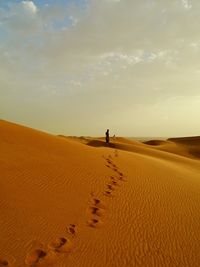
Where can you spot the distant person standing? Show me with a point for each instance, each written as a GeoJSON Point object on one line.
{"type": "Point", "coordinates": [107, 136]}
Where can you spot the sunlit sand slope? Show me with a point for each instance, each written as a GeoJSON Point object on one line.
{"type": "Point", "coordinates": [65, 203]}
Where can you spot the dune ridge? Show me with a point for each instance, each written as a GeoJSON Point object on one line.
{"type": "Point", "coordinates": [67, 202]}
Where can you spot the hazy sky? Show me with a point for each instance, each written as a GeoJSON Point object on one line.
{"type": "Point", "coordinates": [78, 67]}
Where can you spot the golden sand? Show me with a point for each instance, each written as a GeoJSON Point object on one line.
{"type": "Point", "coordinates": [77, 203]}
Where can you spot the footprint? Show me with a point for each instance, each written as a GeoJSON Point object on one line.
{"type": "Point", "coordinates": [114, 182]}
{"type": "Point", "coordinates": [35, 256]}
{"type": "Point", "coordinates": [96, 201]}
{"type": "Point", "coordinates": [71, 229]}
{"type": "Point", "coordinates": [122, 178]}
{"type": "Point", "coordinates": [62, 245]}
{"type": "Point", "coordinates": [110, 187]}
{"type": "Point", "coordinates": [108, 193]}
{"type": "Point", "coordinates": [4, 262]}
{"type": "Point", "coordinates": [94, 223]}
{"type": "Point", "coordinates": [107, 166]}
{"type": "Point", "coordinates": [96, 211]}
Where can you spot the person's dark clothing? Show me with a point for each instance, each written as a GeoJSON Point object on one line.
{"type": "Point", "coordinates": [107, 136]}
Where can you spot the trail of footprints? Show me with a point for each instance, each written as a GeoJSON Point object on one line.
{"type": "Point", "coordinates": [97, 207]}
{"type": "Point", "coordinates": [43, 255]}
{"type": "Point", "coordinates": [46, 255]}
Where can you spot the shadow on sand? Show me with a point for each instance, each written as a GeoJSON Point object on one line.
{"type": "Point", "coordinates": [101, 143]}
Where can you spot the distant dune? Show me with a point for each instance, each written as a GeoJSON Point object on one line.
{"type": "Point", "coordinates": [156, 142]}
{"type": "Point", "coordinates": [68, 201]}
{"type": "Point", "coordinates": [185, 146]}
{"type": "Point", "coordinates": [193, 140]}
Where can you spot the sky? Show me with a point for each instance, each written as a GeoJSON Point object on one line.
{"type": "Point", "coordinates": [78, 67]}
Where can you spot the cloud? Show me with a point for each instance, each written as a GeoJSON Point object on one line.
{"type": "Point", "coordinates": [187, 4]}
{"type": "Point", "coordinates": [30, 7]}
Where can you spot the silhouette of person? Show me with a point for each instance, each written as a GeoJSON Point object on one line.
{"type": "Point", "coordinates": [107, 136]}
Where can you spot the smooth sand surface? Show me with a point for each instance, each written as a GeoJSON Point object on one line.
{"type": "Point", "coordinates": [77, 203]}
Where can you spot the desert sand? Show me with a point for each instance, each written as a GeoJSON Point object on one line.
{"type": "Point", "coordinates": [76, 202]}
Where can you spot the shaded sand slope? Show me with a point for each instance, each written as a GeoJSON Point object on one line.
{"type": "Point", "coordinates": [185, 146]}
{"type": "Point", "coordinates": [63, 203]}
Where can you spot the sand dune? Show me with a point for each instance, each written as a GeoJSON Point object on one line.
{"type": "Point", "coordinates": [156, 142]}
{"type": "Point", "coordinates": [185, 146]}
{"type": "Point", "coordinates": [193, 140]}
{"type": "Point", "coordinates": [76, 202]}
